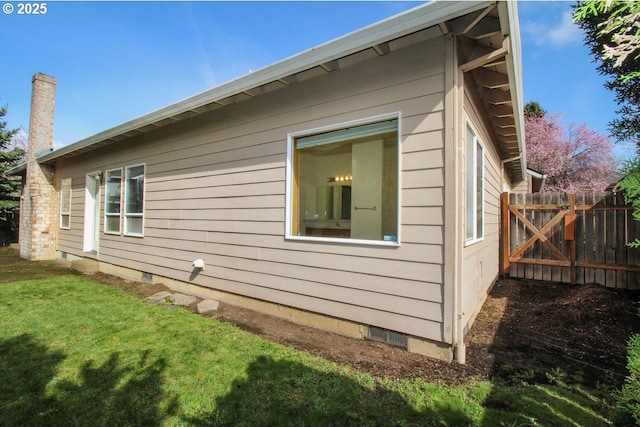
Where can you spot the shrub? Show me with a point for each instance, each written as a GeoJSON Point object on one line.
{"type": "Point", "coordinates": [630, 187]}
{"type": "Point", "coordinates": [628, 398]}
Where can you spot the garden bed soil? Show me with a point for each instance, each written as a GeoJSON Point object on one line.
{"type": "Point", "coordinates": [525, 328]}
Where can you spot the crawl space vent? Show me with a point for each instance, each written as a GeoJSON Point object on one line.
{"type": "Point", "coordinates": [147, 277]}
{"type": "Point", "coordinates": [388, 337]}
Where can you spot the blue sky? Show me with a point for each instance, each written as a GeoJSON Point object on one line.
{"type": "Point", "coordinates": [115, 61]}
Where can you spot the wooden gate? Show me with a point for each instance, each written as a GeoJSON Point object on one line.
{"type": "Point", "coordinates": [572, 238]}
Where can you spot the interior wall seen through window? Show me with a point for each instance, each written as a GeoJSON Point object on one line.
{"type": "Point", "coordinates": [348, 183]}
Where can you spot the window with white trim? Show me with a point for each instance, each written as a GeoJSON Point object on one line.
{"type": "Point", "coordinates": [113, 201]}
{"type": "Point", "coordinates": [65, 203]}
{"type": "Point", "coordinates": [474, 187]}
{"type": "Point", "coordinates": [343, 182]}
{"type": "Point", "coordinates": [134, 200]}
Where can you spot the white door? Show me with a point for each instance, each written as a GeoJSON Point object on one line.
{"type": "Point", "coordinates": [366, 190]}
{"type": "Point", "coordinates": [92, 213]}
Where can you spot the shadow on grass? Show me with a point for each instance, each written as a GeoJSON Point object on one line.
{"type": "Point", "coordinates": [284, 393]}
{"type": "Point", "coordinates": [25, 370]}
{"type": "Point", "coordinates": [14, 269]}
{"type": "Point", "coordinates": [111, 394]}
{"type": "Point", "coordinates": [555, 405]}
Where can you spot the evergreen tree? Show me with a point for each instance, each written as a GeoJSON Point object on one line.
{"type": "Point", "coordinates": [533, 109]}
{"type": "Point", "coordinates": [9, 157]}
{"type": "Point", "coordinates": [612, 32]}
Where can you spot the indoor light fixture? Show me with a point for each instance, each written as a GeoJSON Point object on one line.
{"type": "Point", "coordinates": [343, 178]}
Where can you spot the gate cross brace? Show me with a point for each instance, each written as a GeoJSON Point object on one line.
{"type": "Point", "coordinates": [539, 235]}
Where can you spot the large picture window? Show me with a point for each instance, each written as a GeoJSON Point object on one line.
{"type": "Point", "coordinates": [65, 204]}
{"type": "Point", "coordinates": [113, 201]}
{"type": "Point", "coordinates": [474, 187]}
{"type": "Point", "coordinates": [134, 200]}
{"type": "Point", "coordinates": [344, 182]}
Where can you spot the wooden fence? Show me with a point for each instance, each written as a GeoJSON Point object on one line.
{"type": "Point", "coordinates": [572, 238]}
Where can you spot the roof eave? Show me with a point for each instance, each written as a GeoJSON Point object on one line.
{"type": "Point", "coordinates": [413, 20]}
{"type": "Point", "coordinates": [514, 71]}
{"type": "Point", "coordinates": [17, 170]}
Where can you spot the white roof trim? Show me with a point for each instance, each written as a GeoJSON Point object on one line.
{"type": "Point", "coordinates": [536, 174]}
{"type": "Point", "coordinates": [421, 17]}
{"type": "Point", "coordinates": [514, 71]}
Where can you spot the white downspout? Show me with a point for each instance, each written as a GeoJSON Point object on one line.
{"type": "Point", "coordinates": [458, 320]}
{"type": "Point", "coordinates": [458, 327]}
{"type": "Point", "coordinates": [461, 348]}
{"type": "Point", "coordinates": [454, 151]}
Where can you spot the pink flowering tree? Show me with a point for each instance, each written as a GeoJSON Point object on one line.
{"type": "Point", "coordinates": [575, 159]}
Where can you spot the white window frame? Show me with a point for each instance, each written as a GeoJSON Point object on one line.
{"type": "Point", "coordinates": [289, 191]}
{"type": "Point", "coordinates": [106, 202]}
{"type": "Point", "coordinates": [65, 185]}
{"type": "Point", "coordinates": [127, 215]}
{"type": "Point", "coordinates": [471, 186]}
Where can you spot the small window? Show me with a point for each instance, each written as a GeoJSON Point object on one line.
{"type": "Point", "coordinates": [344, 182]}
{"type": "Point", "coordinates": [474, 187]}
{"type": "Point", "coordinates": [65, 204]}
{"type": "Point", "coordinates": [113, 201]}
{"type": "Point", "coordinates": [134, 200]}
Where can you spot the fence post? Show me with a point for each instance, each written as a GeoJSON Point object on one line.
{"type": "Point", "coordinates": [572, 241]}
{"type": "Point", "coordinates": [504, 231]}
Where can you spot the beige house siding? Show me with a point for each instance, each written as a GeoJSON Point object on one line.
{"type": "Point", "coordinates": [215, 189]}
{"type": "Point", "coordinates": [480, 264]}
{"type": "Point", "coordinates": [523, 187]}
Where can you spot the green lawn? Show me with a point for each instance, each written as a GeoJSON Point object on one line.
{"type": "Point", "coordinates": [75, 352]}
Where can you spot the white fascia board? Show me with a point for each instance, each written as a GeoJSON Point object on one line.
{"type": "Point", "coordinates": [413, 20]}
{"type": "Point", "coordinates": [509, 11]}
{"type": "Point", "coordinates": [536, 174]}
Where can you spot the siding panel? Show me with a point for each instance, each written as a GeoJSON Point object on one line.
{"type": "Point", "coordinates": [215, 189]}
{"type": "Point", "coordinates": [480, 260]}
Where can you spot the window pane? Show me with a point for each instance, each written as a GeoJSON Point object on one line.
{"type": "Point", "coordinates": [479, 190]}
{"type": "Point", "coordinates": [134, 225]}
{"type": "Point", "coordinates": [135, 189]}
{"type": "Point", "coordinates": [134, 199]}
{"type": "Point", "coordinates": [65, 203]}
{"type": "Point", "coordinates": [347, 183]}
{"type": "Point", "coordinates": [112, 224]}
{"type": "Point", "coordinates": [113, 191]}
{"type": "Point", "coordinates": [470, 190]}
{"type": "Point", "coordinates": [474, 190]}
{"type": "Point", "coordinates": [64, 200]}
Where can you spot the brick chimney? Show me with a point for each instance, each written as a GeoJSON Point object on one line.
{"type": "Point", "coordinates": [38, 209]}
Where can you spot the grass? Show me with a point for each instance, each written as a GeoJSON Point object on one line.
{"type": "Point", "coordinates": [75, 352]}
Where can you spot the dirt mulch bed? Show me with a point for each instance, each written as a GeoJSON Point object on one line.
{"type": "Point", "coordinates": [525, 327]}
